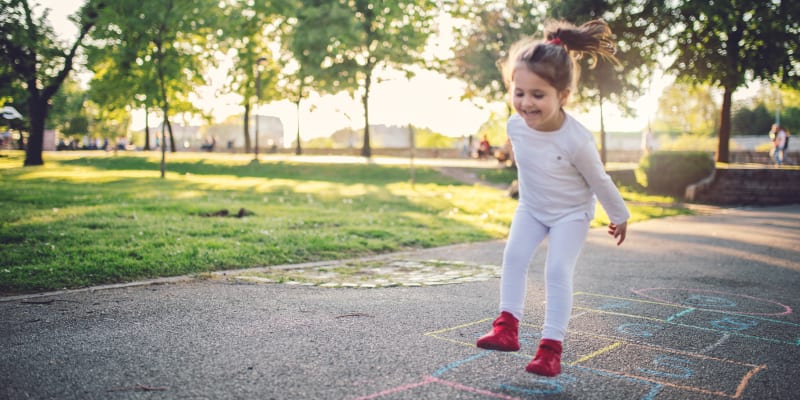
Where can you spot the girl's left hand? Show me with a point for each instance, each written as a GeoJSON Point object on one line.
{"type": "Point", "coordinates": [618, 231]}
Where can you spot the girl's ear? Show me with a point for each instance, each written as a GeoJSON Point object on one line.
{"type": "Point", "coordinates": [563, 96]}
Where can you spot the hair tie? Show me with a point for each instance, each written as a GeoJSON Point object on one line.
{"type": "Point", "coordinates": [555, 41]}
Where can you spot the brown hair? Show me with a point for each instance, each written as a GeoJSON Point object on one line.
{"type": "Point", "coordinates": [555, 58]}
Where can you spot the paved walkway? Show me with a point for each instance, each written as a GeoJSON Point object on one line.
{"type": "Point", "coordinates": [699, 307]}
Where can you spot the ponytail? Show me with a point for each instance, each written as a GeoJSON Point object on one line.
{"type": "Point", "coordinates": [593, 38]}
{"type": "Point", "coordinates": [555, 58]}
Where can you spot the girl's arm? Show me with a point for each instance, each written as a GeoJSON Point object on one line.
{"type": "Point", "coordinates": [587, 161]}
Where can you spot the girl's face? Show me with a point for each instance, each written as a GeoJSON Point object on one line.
{"type": "Point", "coordinates": [536, 101]}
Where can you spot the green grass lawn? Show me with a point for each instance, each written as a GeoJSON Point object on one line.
{"type": "Point", "coordinates": [83, 220]}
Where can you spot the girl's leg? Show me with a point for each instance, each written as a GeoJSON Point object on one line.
{"type": "Point", "coordinates": [525, 235]}
{"type": "Point", "coordinates": [563, 249]}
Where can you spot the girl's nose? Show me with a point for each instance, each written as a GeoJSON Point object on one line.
{"type": "Point", "coordinates": [527, 101]}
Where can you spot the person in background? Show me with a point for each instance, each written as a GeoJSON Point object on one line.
{"type": "Point", "coordinates": [560, 175]}
{"type": "Point", "coordinates": [648, 142]}
{"type": "Point", "coordinates": [484, 148]}
{"type": "Point", "coordinates": [779, 136]}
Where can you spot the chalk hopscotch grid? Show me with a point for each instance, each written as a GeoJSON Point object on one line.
{"type": "Point", "coordinates": [615, 343]}
{"type": "Point", "coordinates": [620, 344]}
{"type": "Point", "coordinates": [548, 385]}
{"type": "Point", "coordinates": [686, 311]}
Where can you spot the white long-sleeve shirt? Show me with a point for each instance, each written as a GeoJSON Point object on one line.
{"type": "Point", "coordinates": [560, 173]}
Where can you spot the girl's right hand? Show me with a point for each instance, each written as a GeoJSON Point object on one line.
{"type": "Point", "coordinates": [618, 231]}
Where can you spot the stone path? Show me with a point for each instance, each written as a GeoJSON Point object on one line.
{"type": "Point", "coordinates": [373, 273]}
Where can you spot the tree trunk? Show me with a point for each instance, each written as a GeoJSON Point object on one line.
{"type": "Point", "coordinates": [366, 151]}
{"type": "Point", "coordinates": [146, 129]}
{"type": "Point", "coordinates": [298, 150]}
{"type": "Point", "coordinates": [37, 108]}
{"type": "Point", "coordinates": [171, 136]}
{"type": "Point", "coordinates": [247, 144]}
{"type": "Point", "coordinates": [725, 126]}
{"type": "Point", "coordinates": [163, 147]}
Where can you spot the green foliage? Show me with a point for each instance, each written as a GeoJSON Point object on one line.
{"type": "Point", "coordinates": [790, 118]}
{"type": "Point", "coordinates": [728, 43]}
{"type": "Point", "coordinates": [319, 143]}
{"type": "Point", "coordinates": [426, 138]}
{"type": "Point", "coordinates": [484, 39]}
{"type": "Point", "coordinates": [688, 142]}
{"type": "Point", "coordinates": [723, 42]}
{"type": "Point", "coordinates": [670, 172]}
{"type": "Point", "coordinates": [755, 121]}
{"type": "Point", "coordinates": [33, 59]}
{"type": "Point", "coordinates": [341, 43]}
{"type": "Point", "coordinates": [494, 129]}
{"type": "Point", "coordinates": [66, 109]}
{"type": "Point", "coordinates": [152, 53]}
{"type": "Point", "coordinates": [687, 108]}
{"type": "Point", "coordinates": [248, 31]}
{"type": "Point", "coordinates": [490, 30]}
{"type": "Point", "coordinates": [639, 42]}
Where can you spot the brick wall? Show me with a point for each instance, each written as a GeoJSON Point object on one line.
{"type": "Point", "coordinates": [748, 186]}
{"type": "Point", "coordinates": [762, 157]}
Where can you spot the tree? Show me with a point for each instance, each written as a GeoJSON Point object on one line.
{"type": "Point", "coordinates": [120, 82]}
{"type": "Point", "coordinates": [170, 41]}
{"type": "Point", "coordinates": [39, 62]}
{"type": "Point", "coordinates": [66, 110]}
{"type": "Point", "coordinates": [355, 37]}
{"type": "Point", "coordinates": [686, 108]}
{"type": "Point", "coordinates": [726, 43]}
{"type": "Point", "coordinates": [637, 35]}
{"type": "Point", "coordinates": [108, 123]}
{"type": "Point", "coordinates": [749, 121]}
{"type": "Point", "coordinates": [250, 30]}
{"type": "Point", "coordinates": [304, 48]}
{"type": "Point", "coordinates": [483, 38]}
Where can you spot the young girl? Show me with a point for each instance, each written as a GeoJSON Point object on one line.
{"type": "Point", "coordinates": [559, 174]}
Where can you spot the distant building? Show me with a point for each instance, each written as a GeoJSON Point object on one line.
{"type": "Point", "coordinates": [379, 136]}
{"type": "Point", "coordinates": [389, 136]}
{"type": "Point", "coordinates": [270, 133]}
{"type": "Point", "coordinates": [186, 137]}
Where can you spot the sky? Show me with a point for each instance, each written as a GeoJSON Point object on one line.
{"type": "Point", "coordinates": [429, 99]}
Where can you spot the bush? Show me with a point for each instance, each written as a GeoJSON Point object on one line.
{"type": "Point", "coordinates": [670, 172]}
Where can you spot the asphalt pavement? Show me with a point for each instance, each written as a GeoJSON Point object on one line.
{"type": "Point", "coordinates": [690, 307]}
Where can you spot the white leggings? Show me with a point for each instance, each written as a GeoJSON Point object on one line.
{"type": "Point", "coordinates": [563, 249]}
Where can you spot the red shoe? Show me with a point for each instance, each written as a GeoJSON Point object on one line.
{"type": "Point", "coordinates": [504, 335]}
{"type": "Point", "coordinates": [547, 361]}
